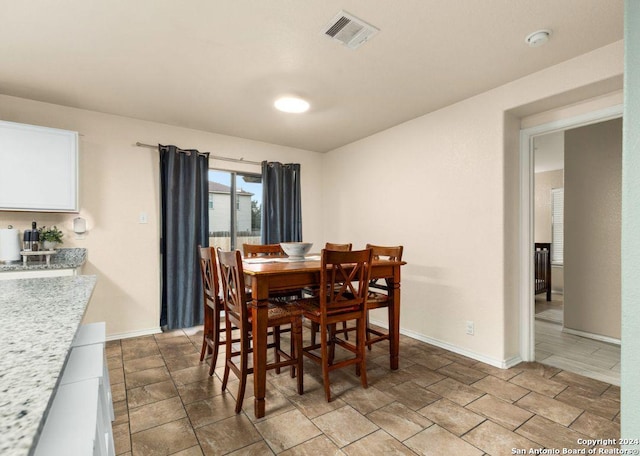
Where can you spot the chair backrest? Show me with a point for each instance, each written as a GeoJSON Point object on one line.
{"type": "Point", "coordinates": [391, 253]}
{"type": "Point", "coordinates": [209, 274]}
{"type": "Point", "coordinates": [344, 279]}
{"type": "Point", "coordinates": [233, 291]}
{"type": "Point", "coordinates": [254, 250]}
{"type": "Point", "coordinates": [340, 247]}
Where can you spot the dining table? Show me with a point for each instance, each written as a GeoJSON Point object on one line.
{"type": "Point", "coordinates": [267, 275]}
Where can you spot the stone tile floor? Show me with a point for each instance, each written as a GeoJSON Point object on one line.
{"type": "Point", "coordinates": [437, 403]}
{"type": "Point", "coordinates": [555, 347]}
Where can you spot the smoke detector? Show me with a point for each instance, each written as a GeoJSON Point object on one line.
{"type": "Point", "coordinates": [349, 30]}
{"type": "Point", "coordinates": [538, 38]}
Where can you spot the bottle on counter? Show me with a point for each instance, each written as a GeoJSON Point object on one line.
{"type": "Point", "coordinates": [26, 241]}
{"type": "Point", "coordinates": [35, 238]}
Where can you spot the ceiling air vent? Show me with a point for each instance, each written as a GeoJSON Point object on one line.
{"type": "Point", "coordinates": [349, 30]}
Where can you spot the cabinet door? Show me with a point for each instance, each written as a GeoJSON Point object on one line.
{"type": "Point", "coordinates": [38, 168]}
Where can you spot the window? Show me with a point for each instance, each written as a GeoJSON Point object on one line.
{"type": "Point", "coordinates": [557, 226]}
{"type": "Point", "coordinates": [229, 229]}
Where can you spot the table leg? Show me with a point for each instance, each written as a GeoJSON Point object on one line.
{"type": "Point", "coordinates": [394, 321]}
{"type": "Point", "coordinates": [259, 327]}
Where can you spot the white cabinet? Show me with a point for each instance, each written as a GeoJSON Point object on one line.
{"type": "Point", "coordinates": [38, 168]}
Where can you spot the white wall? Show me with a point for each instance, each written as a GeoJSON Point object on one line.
{"type": "Point", "coordinates": [120, 180]}
{"type": "Point", "coordinates": [445, 186]}
{"type": "Point", "coordinates": [544, 183]}
{"type": "Point", "coordinates": [630, 374]}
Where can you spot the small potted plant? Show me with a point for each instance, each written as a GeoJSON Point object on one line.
{"type": "Point", "coordinates": [50, 237]}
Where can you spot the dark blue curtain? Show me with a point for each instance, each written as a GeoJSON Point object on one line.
{"type": "Point", "coordinates": [185, 225]}
{"type": "Point", "coordinates": [281, 203]}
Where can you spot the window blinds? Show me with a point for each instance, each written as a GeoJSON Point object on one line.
{"type": "Point", "coordinates": [557, 226]}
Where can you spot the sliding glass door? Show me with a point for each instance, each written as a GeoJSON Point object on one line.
{"type": "Point", "coordinates": [235, 204]}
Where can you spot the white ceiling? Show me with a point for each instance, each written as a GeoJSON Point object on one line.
{"type": "Point", "coordinates": [218, 65]}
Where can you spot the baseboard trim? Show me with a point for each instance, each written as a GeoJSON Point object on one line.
{"type": "Point", "coordinates": [138, 333]}
{"type": "Point", "coordinates": [589, 335]}
{"type": "Point", "coordinates": [501, 364]}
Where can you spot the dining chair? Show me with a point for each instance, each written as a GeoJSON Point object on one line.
{"type": "Point", "coordinates": [380, 291]}
{"type": "Point", "coordinates": [256, 250]}
{"type": "Point", "coordinates": [314, 290]}
{"type": "Point", "coordinates": [212, 305]}
{"type": "Point", "coordinates": [344, 284]}
{"type": "Point", "coordinates": [339, 247]}
{"type": "Point", "coordinates": [270, 250]}
{"type": "Point", "coordinates": [238, 314]}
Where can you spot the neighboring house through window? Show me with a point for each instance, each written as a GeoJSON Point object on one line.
{"type": "Point", "coordinates": [230, 229]}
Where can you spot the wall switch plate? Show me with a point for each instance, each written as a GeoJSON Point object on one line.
{"type": "Point", "coordinates": [470, 328]}
{"type": "Point", "coordinates": [142, 218]}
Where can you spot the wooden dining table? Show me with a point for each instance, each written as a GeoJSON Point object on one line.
{"type": "Point", "coordinates": [265, 276]}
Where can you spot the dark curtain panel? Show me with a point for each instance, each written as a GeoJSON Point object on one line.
{"type": "Point", "coordinates": [281, 206]}
{"type": "Point", "coordinates": [185, 224]}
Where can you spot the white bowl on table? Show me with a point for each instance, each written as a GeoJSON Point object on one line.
{"type": "Point", "coordinates": [296, 250]}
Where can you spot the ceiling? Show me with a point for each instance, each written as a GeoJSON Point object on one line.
{"type": "Point", "coordinates": [218, 65]}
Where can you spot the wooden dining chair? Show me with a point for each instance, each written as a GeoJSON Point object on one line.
{"type": "Point", "coordinates": [314, 290]}
{"type": "Point", "coordinates": [212, 305]}
{"type": "Point", "coordinates": [270, 250]}
{"type": "Point", "coordinates": [344, 284]}
{"type": "Point", "coordinates": [238, 313]}
{"type": "Point", "coordinates": [339, 247]}
{"type": "Point", "coordinates": [380, 292]}
{"type": "Point", "coordinates": [256, 250]}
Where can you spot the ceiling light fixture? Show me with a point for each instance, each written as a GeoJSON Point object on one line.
{"type": "Point", "coordinates": [538, 38]}
{"type": "Point", "coordinates": [291, 104]}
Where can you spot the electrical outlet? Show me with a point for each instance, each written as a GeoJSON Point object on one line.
{"type": "Point", "coordinates": [470, 328]}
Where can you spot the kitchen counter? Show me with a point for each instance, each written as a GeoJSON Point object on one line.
{"type": "Point", "coordinates": [39, 318]}
{"type": "Point", "coordinates": [63, 259]}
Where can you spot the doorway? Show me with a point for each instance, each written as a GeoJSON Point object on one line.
{"type": "Point", "coordinates": [527, 297]}
{"type": "Point", "coordinates": [549, 226]}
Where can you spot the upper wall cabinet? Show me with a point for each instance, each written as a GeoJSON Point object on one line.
{"type": "Point", "coordinates": [38, 168]}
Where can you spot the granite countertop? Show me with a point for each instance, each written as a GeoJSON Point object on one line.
{"type": "Point", "coordinates": [62, 259]}
{"type": "Point", "coordinates": [39, 319]}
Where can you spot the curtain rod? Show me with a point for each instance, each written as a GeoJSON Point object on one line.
{"type": "Point", "coordinates": [236, 160]}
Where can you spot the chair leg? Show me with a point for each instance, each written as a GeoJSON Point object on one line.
{"type": "Point", "coordinates": [344, 330]}
{"type": "Point", "coordinates": [204, 347]}
{"type": "Point", "coordinates": [296, 349]}
{"type": "Point", "coordinates": [360, 344]}
{"type": "Point", "coordinates": [207, 334]}
{"type": "Point", "coordinates": [314, 329]}
{"type": "Point", "coordinates": [227, 360]}
{"type": "Point", "coordinates": [293, 348]}
{"type": "Point", "coordinates": [366, 331]}
{"type": "Point", "coordinates": [276, 337]}
{"type": "Point", "coordinates": [331, 343]}
{"type": "Point", "coordinates": [325, 362]}
{"type": "Point", "coordinates": [216, 341]}
{"type": "Point", "coordinates": [244, 366]}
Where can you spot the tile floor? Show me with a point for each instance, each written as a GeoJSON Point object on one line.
{"type": "Point", "coordinates": [437, 403]}
{"type": "Point", "coordinates": [588, 357]}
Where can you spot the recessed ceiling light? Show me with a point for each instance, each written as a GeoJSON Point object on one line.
{"type": "Point", "coordinates": [538, 38]}
{"type": "Point", "coordinates": [291, 104]}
